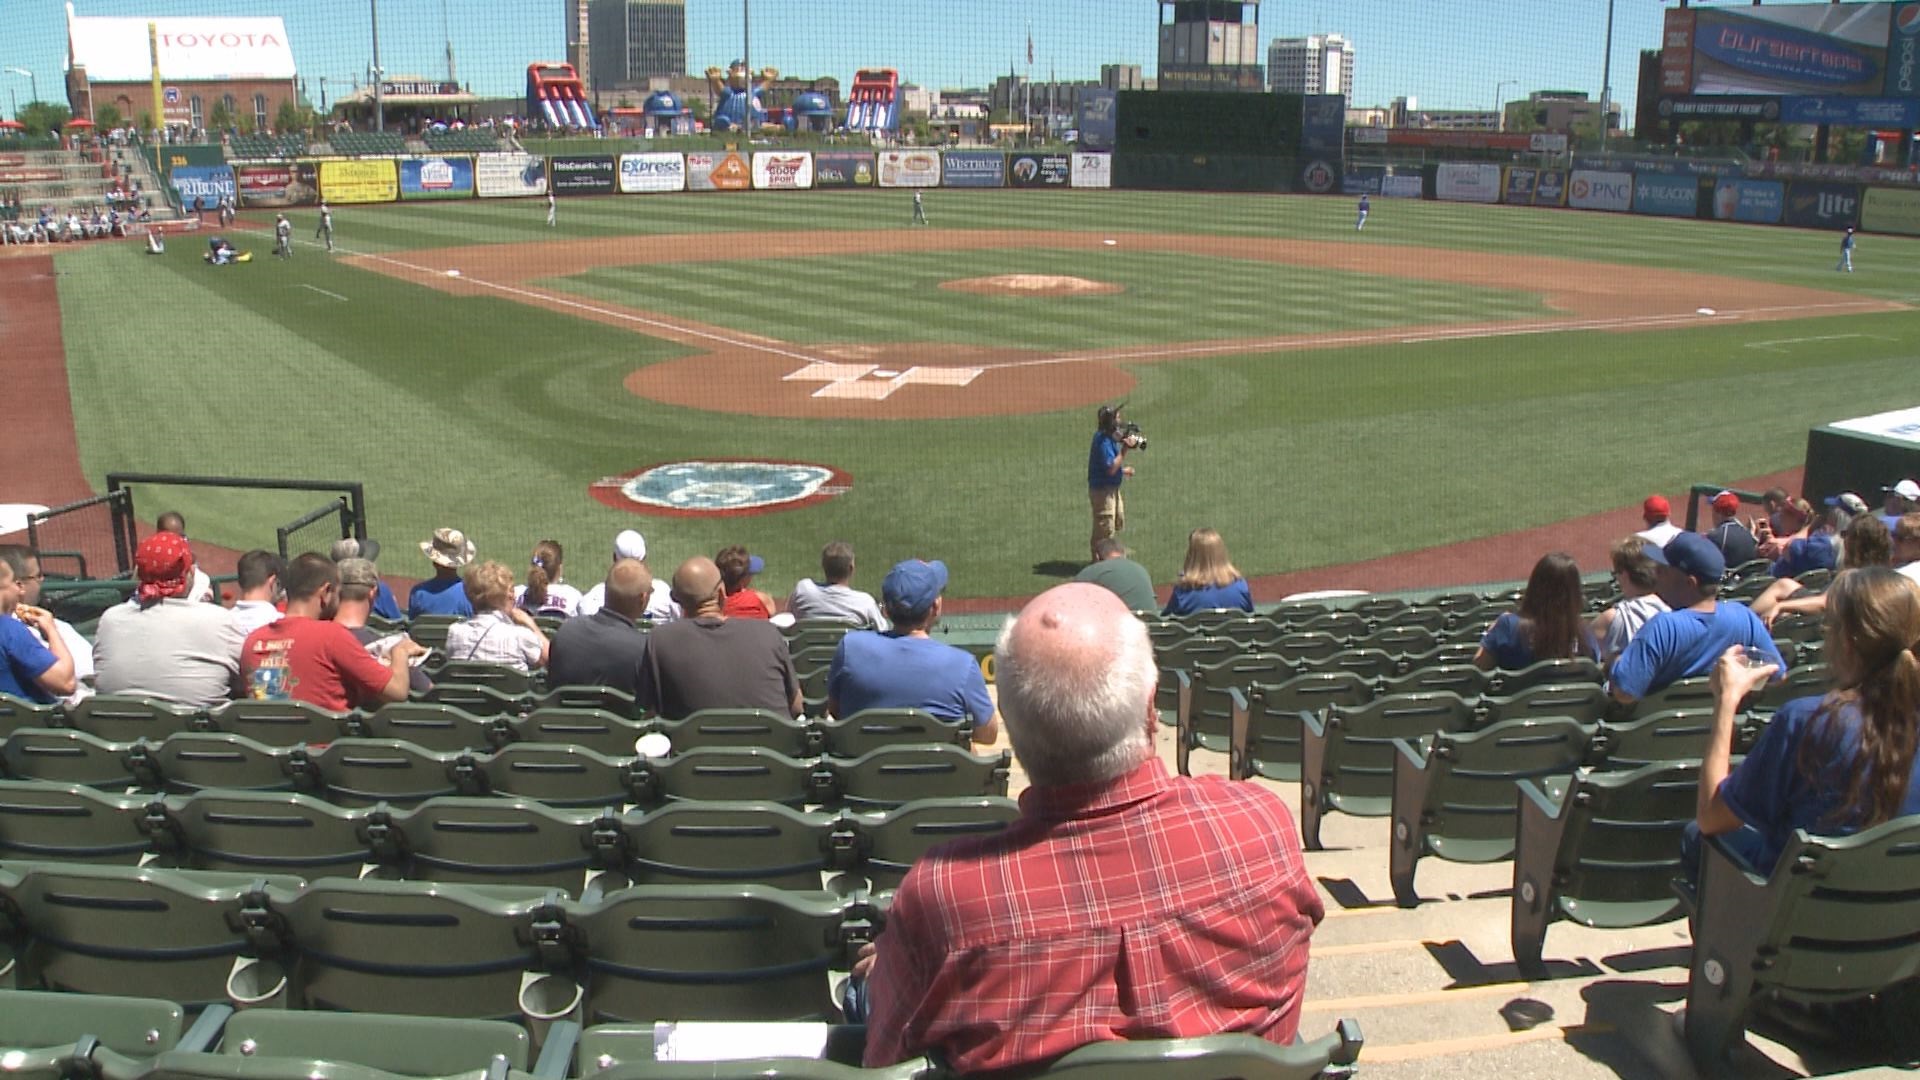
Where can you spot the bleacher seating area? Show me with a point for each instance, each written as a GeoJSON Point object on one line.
{"type": "Point", "coordinates": [469, 141]}
{"type": "Point", "coordinates": [366, 143]}
{"type": "Point", "coordinates": [266, 146]}
{"type": "Point", "coordinates": [492, 876]}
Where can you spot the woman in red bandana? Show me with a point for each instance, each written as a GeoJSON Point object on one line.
{"type": "Point", "coordinates": [163, 645]}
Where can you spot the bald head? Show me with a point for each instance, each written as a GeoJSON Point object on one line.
{"type": "Point", "coordinates": [696, 586]}
{"type": "Point", "coordinates": [1076, 678]}
{"type": "Point", "coordinates": [629, 585]}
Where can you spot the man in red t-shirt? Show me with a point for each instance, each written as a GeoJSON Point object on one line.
{"type": "Point", "coordinates": [304, 657]}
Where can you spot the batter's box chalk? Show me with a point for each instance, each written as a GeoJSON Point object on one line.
{"type": "Point", "coordinates": [823, 371]}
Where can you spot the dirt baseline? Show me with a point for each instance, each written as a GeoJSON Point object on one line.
{"type": "Point", "coordinates": [922, 379]}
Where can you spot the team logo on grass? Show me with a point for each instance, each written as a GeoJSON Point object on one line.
{"type": "Point", "coordinates": [715, 488]}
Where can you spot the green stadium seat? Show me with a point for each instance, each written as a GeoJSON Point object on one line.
{"type": "Point", "coordinates": [481, 701]}
{"type": "Point", "coordinates": [894, 775]}
{"type": "Point", "coordinates": [280, 723]}
{"type": "Point", "coordinates": [1347, 754]}
{"type": "Point", "coordinates": [16, 713]}
{"type": "Point", "coordinates": [48, 822]}
{"type": "Point", "coordinates": [261, 833]}
{"type": "Point", "coordinates": [589, 697]}
{"type": "Point", "coordinates": [1210, 1057]}
{"type": "Point", "coordinates": [891, 842]}
{"type": "Point", "coordinates": [1673, 735]}
{"type": "Point", "coordinates": [1345, 625]}
{"type": "Point", "coordinates": [1306, 647]}
{"type": "Point", "coordinates": [124, 719]}
{"type": "Point", "coordinates": [1272, 747]}
{"type": "Point", "coordinates": [362, 772]}
{"type": "Point", "coordinates": [434, 727]}
{"type": "Point", "coordinates": [560, 776]}
{"type": "Point", "coordinates": [1587, 703]}
{"type": "Point", "coordinates": [1184, 655]}
{"type": "Point", "coordinates": [1691, 693]}
{"type": "Point", "coordinates": [67, 757]}
{"type": "Point", "coordinates": [502, 841]}
{"type": "Point", "coordinates": [1578, 669]}
{"type": "Point", "coordinates": [872, 729]}
{"type": "Point", "coordinates": [201, 760]}
{"type": "Point", "coordinates": [610, 1051]}
{"type": "Point", "coordinates": [598, 730]}
{"type": "Point", "coordinates": [1370, 664]}
{"type": "Point", "coordinates": [470, 673]}
{"type": "Point", "coordinates": [1399, 640]}
{"type": "Point", "coordinates": [263, 1044]}
{"type": "Point", "coordinates": [61, 1035]}
{"type": "Point", "coordinates": [721, 728]}
{"type": "Point", "coordinates": [1453, 791]}
{"type": "Point", "coordinates": [1463, 679]}
{"type": "Point", "coordinates": [734, 843]}
{"type": "Point", "coordinates": [1206, 701]}
{"type": "Point", "coordinates": [728, 774]}
{"type": "Point", "coordinates": [1805, 680]}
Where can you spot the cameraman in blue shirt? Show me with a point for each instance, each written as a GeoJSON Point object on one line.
{"type": "Point", "coordinates": [1106, 469]}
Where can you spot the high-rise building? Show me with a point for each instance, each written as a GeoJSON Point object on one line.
{"type": "Point", "coordinates": [1321, 64]}
{"type": "Point", "coordinates": [637, 40]}
{"type": "Point", "coordinates": [1210, 45]}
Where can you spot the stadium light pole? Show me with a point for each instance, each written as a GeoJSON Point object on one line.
{"type": "Point", "coordinates": [1606, 80]}
{"type": "Point", "coordinates": [33, 84]}
{"type": "Point", "coordinates": [379, 99]}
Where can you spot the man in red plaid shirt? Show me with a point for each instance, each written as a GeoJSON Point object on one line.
{"type": "Point", "coordinates": [1124, 904]}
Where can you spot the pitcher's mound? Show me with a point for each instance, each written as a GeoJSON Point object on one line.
{"type": "Point", "coordinates": [1031, 285]}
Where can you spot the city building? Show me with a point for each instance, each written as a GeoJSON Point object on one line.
{"type": "Point", "coordinates": [1210, 45]}
{"type": "Point", "coordinates": [1122, 77]}
{"type": "Point", "coordinates": [636, 40]}
{"type": "Point", "coordinates": [244, 65]}
{"type": "Point", "coordinates": [1558, 110]}
{"type": "Point", "coordinates": [1407, 113]}
{"type": "Point", "coordinates": [1321, 64]}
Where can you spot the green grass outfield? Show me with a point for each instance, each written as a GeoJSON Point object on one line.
{"type": "Point", "coordinates": [494, 416]}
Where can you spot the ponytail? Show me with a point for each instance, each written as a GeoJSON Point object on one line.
{"type": "Point", "coordinates": [544, 572]}
{"type": "Point", "coordinates": [1876, 612]}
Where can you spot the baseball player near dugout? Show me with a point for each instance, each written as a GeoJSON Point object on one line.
{"type": "Point", "coordinates": [282, 236]}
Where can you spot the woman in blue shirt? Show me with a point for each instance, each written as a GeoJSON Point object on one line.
{"type": "Point", "coordinates": [1834, 764]}
{"type": "Point", "coordinates": [1208, 580]}
{"type": "Point", "coordinates": [1549, 624]}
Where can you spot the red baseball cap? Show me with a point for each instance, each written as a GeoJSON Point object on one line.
{"type": "Point", "coordinates": [1726, 502]}
{"type": "Point", "coordinates": [1655, 508]}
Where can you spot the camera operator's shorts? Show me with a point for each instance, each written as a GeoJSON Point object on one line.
{"type": "Point", "coordinates": [1109, 513]}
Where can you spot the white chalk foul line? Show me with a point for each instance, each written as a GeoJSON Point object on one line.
{"type": "Point", "coordinates": [323, 292]}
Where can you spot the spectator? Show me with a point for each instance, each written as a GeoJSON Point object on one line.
{"type": "Point", "coordinates": [1902, 499]}
{"type": "Point", "coordinates": [385, 604]}
{"type": "Point", "coordinates": [737, 569]}
{"type": "Point", "coordinates": [304, 656]}
{"type": "Point", "coordinates": [706, 660]}
{"type": "Point", "coordinates": [163, 645]}
{"type": "Point", "coordinates": [606, 648]}
{"type": "Point", "coordinates": [358, 581]}
{"type": "Point", "coordinates": [1634, 573]}
{"type": "Point", "coordinates": [1833, 764]}
{"type": "Point", "coordinates": [37, 665]}
{"type": "Point", "coordinates": [546, 592]}
{"type": "Point", "coordinates": [1112, 570]}
{"type": "Point", "coordinates": [1865, 544]}
{"type": "Point", "coordinates": [1208, 580]}
{"type": "Point", "coordinates": [1548, 625]}
{"type": "Point", "coordinates": [1655, 511]}
{"type": "Point", "coordinates": [831, 597]}
{"type": "Point", "coordinates": [1787, 520]}
{"type": "Point", "coordinates": [1819, 549]}
{"type": "Point", "coordinates": [905, 668]}
{"type": "Point", "coordinates": [1685, 641]}
{"type": "Point", "coordinates": [1735, 541]}
{"type": "Point", "coordinates": [200, 590]}
{"type": "Point", "coordinates": [1906, 545]}
{"type": "Point", "coordinates": [31, 578]}
{"type": "Point", "coordinates": [1123, 904]}
{"type": "Point", "coordinates": [660, 606]}
{"type": "Point", "coordinates": [259, 582]}
{"type": "Point", "coordinates": [498, 632]}
{"type": "Point", "coordinates": [443, 594]}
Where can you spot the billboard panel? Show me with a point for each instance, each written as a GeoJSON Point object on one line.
{"type": "Point", "coordinates": [1820, 204]}
{"type": "Point", "coordinates": [789, 170]}
{"type": "Point", "coordinates": [718, 172]}
{"type": "Point", "coordinates": [1891, 210]}
{"type": "Point", "coordinates": [1404, 187]}
{"type": "Point", "coordinates": [1551, 188]}
{"type": "Point", "coordinates": [973, 168]}
{"type": "Point", "coordinates": [1467, 182]}
{"type": "Point", "coordinates": [1362, 180]}
{"type": "Point", "coordinates": [1666, 194]}
{"type": "Point", "coordinates": [1903, 52]}
{"type": "Point", "coordinates": [649, 173]}
{"type": "Point", "coordinates": [1594, 190]}
{"type": "Point", "coordinates": [370, 181]}
{"type": "Point", "coordinates": [208, 183]}
{"type": "Point", "coordinates": [910, 168]}
{"type": "Point", "coordinates": [843, 170]}
{"type": "Point", "coordinates": [1838, 49]}
{"type": "Point", "coordinates": [1519, 186]}
{"type": "Point", "coordinates": [292, 183]}
{"type": "Point", "coordinates": [1040, 170]}
{"type": "Point", "coordinates": [1099, 118]}
{"type": "Point", "coordinates": [1324, 123]}
{"type": "Point", "coordinates": [499, 176]}
{"type": "Point", "coordinates": [1759, 201]}
{"type": "Point", "coordinates": [1851, 111]}
{"type": "Point", "coordinates": [583, 174]}
{"type": "Point", "coordinates": [1092, 171]}
{"type": "Point", "coordinates": [436, 178]}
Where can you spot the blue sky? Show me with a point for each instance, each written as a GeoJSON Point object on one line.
{"type": "Point", "coordinates": [1446, 53]}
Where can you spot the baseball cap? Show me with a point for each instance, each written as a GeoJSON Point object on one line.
{"type": "Point", "coordinates": [1906, 489]}
{"type": "Point", "coordinates": [1655, 508]}
{"type": "Point", "coordinates": [755, 564]}
{"type": "Point", "coordinates": [1693, 555]}
{"type": "Point", "coordinates": [629, 545]}
{"type": "Point", "coordinates": [1726, 502]}
{"type": "Point", "coordinates": [359, 572]}
{"type": "Point", "coordinates": [449, 547]}
{"type": "Point", "coordinates": [1848, 501]}
{"type": "Point", "coordinates": [355, 549]}
{"type": "Point", "coordinates": [911, 587]}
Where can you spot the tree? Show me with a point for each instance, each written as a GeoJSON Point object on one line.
{"type": "Point", "coordinates": [43, 116]}
{"type": "Point", "coordinates": [107, 116]}
{"type": "Point", "coordinates": [220, 118]}
{"type": "Point", "coordinates": [293, 117]}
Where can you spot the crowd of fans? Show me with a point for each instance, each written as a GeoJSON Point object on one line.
{"type": "Point", "coordinates": [1125, 902]}
{"type": "Point", "coordinates": [49, 226]}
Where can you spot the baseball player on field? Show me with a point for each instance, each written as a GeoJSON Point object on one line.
{"type": "Point", "coordinates": [919, 210]}
{"type": "Point", "coordinates": [550, 210]}
{"type": "Point", "coordinates": [282, 236]}
{"type": "Point", "coordinates": [1365, 206]}
{"type": "Point", "coordinates": [325, 231]}
{"type": "Point", "coordinates": [1846, 252]}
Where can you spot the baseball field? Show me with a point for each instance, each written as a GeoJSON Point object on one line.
{"type": "Point", "coordinates": [1319, 395]}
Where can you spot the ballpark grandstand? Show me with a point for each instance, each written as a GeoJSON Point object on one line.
{"type": "Point", "coordinates": [661, 538]}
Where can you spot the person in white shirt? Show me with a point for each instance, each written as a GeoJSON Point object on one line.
{"type": "Point", "coordinates": [1659, 531]}
{"type": "Point", "coordinates": [661, 606]}
{"type": "Point", "coordinates": [545, 592]}
{"type": "Point", "coordinates": [832, 597]}
{"type": "Point", "coordinates": [259, 582]}
{"type": "Point", "coordinates": [1637, 578]}
{"type": "Point", "coordinates": [31, 577]}
{"type": "Point", "coordinates": [498, 633]}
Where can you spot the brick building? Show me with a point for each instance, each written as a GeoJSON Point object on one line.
{"type": "Point", "coordinates": [244, 63]}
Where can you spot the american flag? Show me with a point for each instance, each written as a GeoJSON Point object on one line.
{"type": "Point", "coordinates": [1029, 47]}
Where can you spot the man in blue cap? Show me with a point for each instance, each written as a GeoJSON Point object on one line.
{"type": "Point", "coordinates": [1689, 639]}
{"type": "Point", "coordinates": [904, 668]}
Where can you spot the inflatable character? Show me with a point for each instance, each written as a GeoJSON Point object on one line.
{"type": "Point", "coordinates": [732, 89]}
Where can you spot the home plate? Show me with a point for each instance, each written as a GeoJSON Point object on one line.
{"type": "Point", "coordinates": [885, 373]}
{"type": "Point", "coordinates": [1706, 311]}
{"type": "Point", "coordinates": [1110, 243]}
{"type": "Point", "coordinates": [453, 273]}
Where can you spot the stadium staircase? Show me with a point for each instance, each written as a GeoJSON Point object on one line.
{"type": "Point", "coordinates": [82, 179]}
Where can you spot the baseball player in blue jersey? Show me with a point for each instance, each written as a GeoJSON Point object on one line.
{"type": "Point", "coordinates": [1365, 206]}
{"type": "Point", "coordinates": [1846, 252]}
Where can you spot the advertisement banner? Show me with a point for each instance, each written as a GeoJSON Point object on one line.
{"type": "Point", "coordinates": [1323, 123]}
{"type": "Point", "coordinates": [1819, 204]}
{"type": "Point", "coordinates": [1551, 188]}
{"type": "Point", "coordinates": [1040, 170]}
{"type": "Point", "coordinates": [1891, 211]}
{"type": "Point", "coordinates": [843, 170]}
{"type": "Point", "coordinates": [1666, 194]}
{"type": "Point", "coordinates": [1319, 177]}
{"type": "Point", "coordinates": [292, 183]}
{"type": "Point", "coordinates": [1404, 187]}
{"type": "Point", "coordinates": [789, 170]}
{"type": "Point", "coordinates": [1857, 174]}
{"type": "Point", "coordinates": [436, 178]}
{"type": "Point", "coordinates": [651, 173]}
{"type": "Point", "coordinates": [1092, 170]}
{"type": "Point", "coordinates": [208, 183]}
{"type": "Point", "coordinates": [1547, 142]}
{"type": "Point", "coordinates": [718, 172]}
{"type": "Point", "coordinates": [1676, 53]}
{"type": "Point", "coordinates": [1852, 111]}
{"type": "Point", "coordinates": [973, 168]}
{"type": "Point", "coordinates": [1789, 49]}
{"type": "Point", "coordinates": [910, 168]}
{"type": "Point", "coordinates": [1099, 118]}
{"type": "Point", "coordinates": [583, 174]}
{"type": "Point", "coordinates": [1467, 182]}
{"type": "Point", "coordinates": [1593, 190]}
{"type": "Point", "coordinates": [1903, 52]}
{"type": "Point", "coordinates": [1520, 185]}
{"type": "Point", "coordinates": [1761, 202]}
{"type": "Point", "coordinates": [1722, 107]}
{"type": "Point", "coordinates": [21, 175]}
{"type": "Point", "coordinates": [1363, 180]}
{"type": "Point", "coordinates": [501, 176]}
{"type": "Point", "coordinates": [373, 181]}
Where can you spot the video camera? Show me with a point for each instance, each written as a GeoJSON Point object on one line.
{"type": "Point", "coordinates": [1127, 431]}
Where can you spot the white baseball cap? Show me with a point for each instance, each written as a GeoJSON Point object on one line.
{"type": "Point", "coordinates": [629, 545]}
{"type": "Point", "coordinates": [1906, 489]}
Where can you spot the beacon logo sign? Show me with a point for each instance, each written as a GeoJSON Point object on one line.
{"type": "Point", "coordinates": [720, 488]}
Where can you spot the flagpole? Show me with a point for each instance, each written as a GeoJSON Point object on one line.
{"type": "Point", "coordinates": [1027, 108]}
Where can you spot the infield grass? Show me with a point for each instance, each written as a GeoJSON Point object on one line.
{"type": "Point", "coordinates": [494, 416]}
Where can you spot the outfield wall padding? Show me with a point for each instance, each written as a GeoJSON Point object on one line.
{"type": "Point", "coordinates": [1176, 122]}
{"type": "Point", "coordinates": [436, 178]}
{"type": "Point", "coordinates": [371, 180]}
{"type": "Point", "coordinates": [1891, 210]}
{"type": "Point", "coordinates": [1204, 172]}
